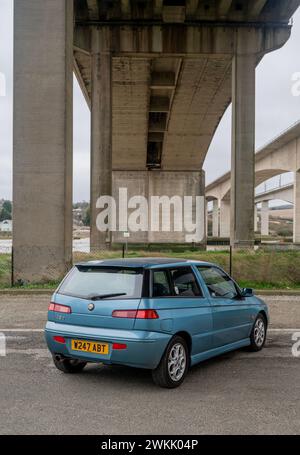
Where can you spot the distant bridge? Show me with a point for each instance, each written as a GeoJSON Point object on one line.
{"type": "Point", "coordinates": [279, 156]}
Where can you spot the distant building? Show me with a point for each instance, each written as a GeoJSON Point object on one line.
{"type": "Point", "coordinates": [77, 216]}
{"type": "Point", "coordinates": [6, 226]}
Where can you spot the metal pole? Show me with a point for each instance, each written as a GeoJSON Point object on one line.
{"type": "Point", "coordinates": [12, 268]}
{"type": "Point", "coordinates": [230, 260]}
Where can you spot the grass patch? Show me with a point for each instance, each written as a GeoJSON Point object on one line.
{"type": "Point", "coordinates": [5, 269]}
{"type": "Point", "coordinates": [269, 286]}
{"type": "Point", "coordinates": [50, 286]}
{"type": "Point", "coordinates": [261, 269]}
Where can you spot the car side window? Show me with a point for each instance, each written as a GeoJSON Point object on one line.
{"type": "Point", "coordinates": [160, 284]}
{"type": "Point", "coordinates": [184, 282]}
{"type": "Point", "coordinates": [218, 283]}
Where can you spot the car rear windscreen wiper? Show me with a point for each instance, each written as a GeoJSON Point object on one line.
{"type": "Point", "coordinates": [106, 296]}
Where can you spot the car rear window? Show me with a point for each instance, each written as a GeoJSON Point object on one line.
{"type": "Point", "coordinates": [87, 282]}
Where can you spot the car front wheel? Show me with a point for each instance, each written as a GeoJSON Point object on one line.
{"type": "Point", "coordinates": [174, 364]}
{"type": "Point", "coordinates": [68, 365]}
{"type": "Point", "coordinates": [258, 334]}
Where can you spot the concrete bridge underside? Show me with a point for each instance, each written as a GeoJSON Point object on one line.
{"type": "Point", "coordinates": [282, 193]}
{"type": "Point", "coordinates": [158, 77]}
{"type": "Point", "coordinates": [278, 157]}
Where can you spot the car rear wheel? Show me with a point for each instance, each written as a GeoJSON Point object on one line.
{"type": "Point", "coordinates": [174, 364]}
{"type": "Point", "coordinates": [68, 365]}
{"type": "Point", "coordinates": [258, 334]}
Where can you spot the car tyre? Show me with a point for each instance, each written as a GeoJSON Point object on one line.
{"type": "Point", "coordinates": [258, 334]}
{"type": "Point", "coordinates": [69, 366]}
{"type": "Point", "coordinates": [174, 364]}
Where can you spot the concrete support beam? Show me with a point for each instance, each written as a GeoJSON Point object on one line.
{"type": "Point", "coordinates": [82, 40]}
{"type": "Point", "coordinates": [157, 7]}
{"type": "Point", "coordinates": [215, 218]}
{"type": "Point", "coordinates": [93, 8]}
{"type": "Point", "coordinates": [180, 39]}
{"type": "Point", "coordinates": [288, 8]}
{"type": "Point", "coordinates": [81, 83]}
{"type": "Point", "coordinates": [256, 7]}
{"type": "Point", "coordinates": [297, 208]}
{"type": "Point", "coordinates": [224, 7]}
{"type": "Point", "coordinates": [163, 80]}
{"type": "Point", "coordinates": [225, 219]}
{"type": "Point", "coordinates": [125, 8]}
{"type": "Point", "coordinates": [206, 218]}
{"type": "Point", "coordinates": [42, 139]}
{"type": "Point", "coordinates": [159, 104]}
{"type": "Point", "coordinates": [156, 137]}
{"type": "Point", "coordinates": [191, 7]}
{"type": "Point", "coordinates": [265, 218]}
{"type": "Point", "coordinates": [173, 14]}
{"type": "Point", "coordinates": [101, 130]}
{"type": "Point", "coordinates": [157, 123]}
{"type": "Point", "coordinates": [243, 140]}
{"type": "Point", "coordinates": [255, 218]}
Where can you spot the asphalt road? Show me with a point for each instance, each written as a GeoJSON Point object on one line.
{"type": "Point", "coordinates": [237, 393]}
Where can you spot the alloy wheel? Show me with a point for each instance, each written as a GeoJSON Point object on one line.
{"type": "Point", "coordinates": [177, 362]}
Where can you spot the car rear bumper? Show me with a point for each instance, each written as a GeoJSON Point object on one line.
{"type": "Point", "coordinates": [144, 349]}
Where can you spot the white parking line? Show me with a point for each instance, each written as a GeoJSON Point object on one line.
{"type": "Point", "coordinates": [283, 330]}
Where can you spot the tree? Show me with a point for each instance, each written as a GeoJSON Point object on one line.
{"type": "Point", "coordinates": [6, 211]}
{"type": "Point", "coordinates": [87, 217]}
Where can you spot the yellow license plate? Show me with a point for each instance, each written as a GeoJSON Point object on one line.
{"type": "Point", "coordinates": [90, 346]}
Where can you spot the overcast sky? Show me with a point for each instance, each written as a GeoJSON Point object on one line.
{"type": "Point", "coordinates": [276, 110]}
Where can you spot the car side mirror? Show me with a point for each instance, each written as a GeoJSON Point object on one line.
{"type": "Point", "coordinates": [247, 292]}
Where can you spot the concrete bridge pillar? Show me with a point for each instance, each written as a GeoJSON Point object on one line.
{"type": "Point", "coordinates": [101, 130]}
{"type": "Point", "coordinates": [243, 139]}
{"type": "Point", "coordinates": [297, 207]}
{"type": "Point", "coordinates": [265, 218]}
{"type": "Point", "coordinates": [206, 218]}
{"type": "Point", "coordinates": [42, 139]}
{"type": "Point", "coordinates": [215, 218]}
{"type": "Point", "coordinates": [255, 218]}
{"type": "Point", "coordinates": [225, 219]}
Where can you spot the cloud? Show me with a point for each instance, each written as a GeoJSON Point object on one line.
{"type": "Point", "coordinates": [82, 125]}
{"type": "Point", "coordinates": [2, 85]}
{"type": "Point", "coordinates": [6, 38]}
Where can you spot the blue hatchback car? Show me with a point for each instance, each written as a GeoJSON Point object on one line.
{"type": "Point", "coordinates": [161, 314]}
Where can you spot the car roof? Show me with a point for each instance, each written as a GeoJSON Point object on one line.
{"type": "Point", "coordinates": [141, 262]}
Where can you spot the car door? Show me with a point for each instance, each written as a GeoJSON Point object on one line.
{"type": "Point", "coordinates": [177, 291]}
{"type": "Point", "coordinates": [232, 316]}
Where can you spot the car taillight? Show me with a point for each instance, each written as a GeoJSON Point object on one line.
{"type": "Point", "coordinates": [59, 339]}
{"type": "Point", "coordinates": [59, 308]}
{"type": "Point", "coordinates": [119, 346]}
{"type": "Point", "coordinates": [147, 314]}
{"type": "Point", "coordinates": [135, 314]}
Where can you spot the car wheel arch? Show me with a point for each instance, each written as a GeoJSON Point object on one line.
{"type": "Point", "coordinates": [187, 338]}
{"type": "Point", "coordinates": [263, 313]}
